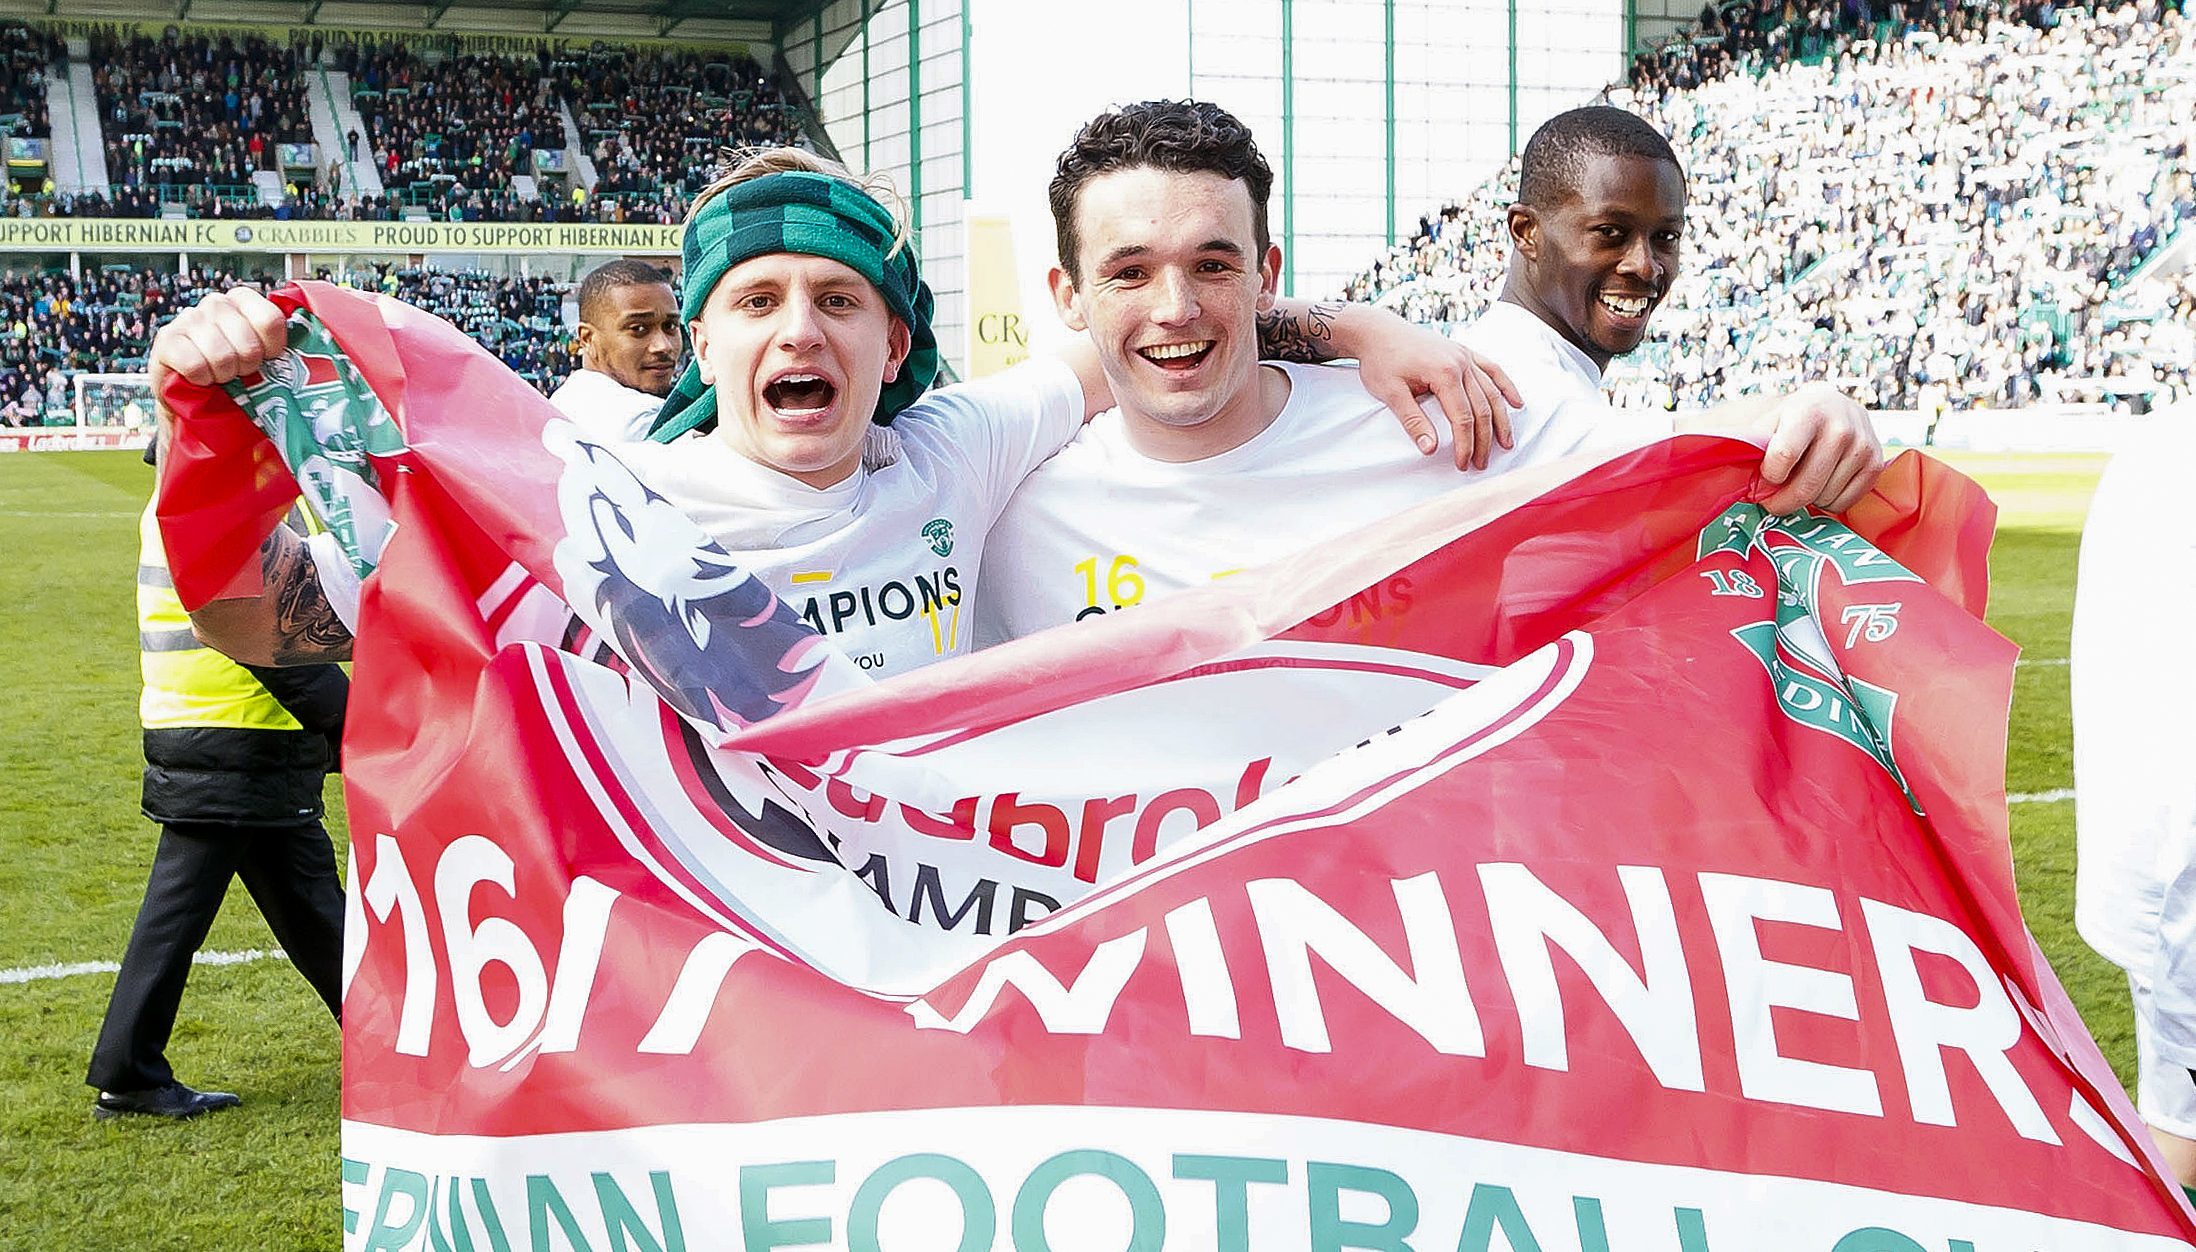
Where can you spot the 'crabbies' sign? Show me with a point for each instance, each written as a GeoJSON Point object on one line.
{"type": "Point", "coordinates": [1638, 881]}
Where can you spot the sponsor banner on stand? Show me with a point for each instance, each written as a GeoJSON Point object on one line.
{"type": "Point", "coordinates": [95, 234]}
{"type": "Point", "coordinates": [1644, 870]}
{"type": "Point", "coordinates": [71, 438]}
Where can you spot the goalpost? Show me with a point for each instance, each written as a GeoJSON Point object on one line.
{"type": "Point", "coordinates": [104, 411]}
{"type": "Point", "coordinates": [110, 401]}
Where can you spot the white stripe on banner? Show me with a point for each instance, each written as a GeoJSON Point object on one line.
{"type": "Point", "coordinates": [2040, 797]}
{"type": "Point", "coordinates": [993, 1161]}
{"type": "Point", "coordinates": [40, 973]}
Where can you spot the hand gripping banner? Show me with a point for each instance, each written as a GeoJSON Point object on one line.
{"type": "Point", "coordinates": [1577, 862]}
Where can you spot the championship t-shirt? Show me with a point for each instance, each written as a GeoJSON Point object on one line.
{"type": "Point", "coordinates": [884, 564]}
{"type": "Point", "coordinates": [1102, 527]}
{"type": "Point", "coordinates": [608, 410]}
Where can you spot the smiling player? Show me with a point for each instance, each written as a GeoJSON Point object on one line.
{"type": "Point", "coordinates": [1595, 231]}
{"type": "Point", "coordinates": [1214, 462]}
{"type": "Point", "coordinates": [1594, 246]}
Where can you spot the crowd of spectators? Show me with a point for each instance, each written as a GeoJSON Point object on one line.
{"type": "Point", "coordinates": [27, 56]}
{"type": "Point", "coordinates": [304, 203]}
{"type": "Point", "coordinates": [53, 326]}
{"type": "Point", "coordinates": [197, 200]}
{"type": "Point", "coordinates": [312, 203]}
{"type": "Point", "coordinates": [521, 320]}
{"type": "Point", "coordinates": [197, 110]}
{"type": "Point", "coordinates": [103, 322]}
{"type": "Point", "coordinates": [455, 202]}
{"type": "Point", "coordinates": [187, 120]}
{"type": "Point", "coordinates": [1944, 218]}
{"type": "Point", "coordinates": [461, 122]}
{"type": "Point", "coordinates": [1749, 34]}
{"type": "Point", "coordinates": [653, 123]}
{"type": "Point", "coordinates": [656, 123]}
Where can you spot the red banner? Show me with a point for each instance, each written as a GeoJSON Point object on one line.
{"type": "Point", "coordinates": [1576, 855]}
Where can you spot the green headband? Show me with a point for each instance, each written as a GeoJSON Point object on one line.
{"type": "Point", "coordinates": [816, 215]}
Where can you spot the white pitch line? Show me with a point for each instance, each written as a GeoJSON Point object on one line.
{"type": "Point", "coordinates": [56, 513]}
{"type": "Point", "coordinates": [2040, 797]}
{"type": "Point", "coordinates": [2041, 660]}
{"type": "Point", "coordinates": [39, 973]}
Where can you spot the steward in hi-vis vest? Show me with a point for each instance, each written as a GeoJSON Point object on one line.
{"type": "Point", "coordinates": [222, 742]}
{"type": "Point", "coordinates": [236, 758]}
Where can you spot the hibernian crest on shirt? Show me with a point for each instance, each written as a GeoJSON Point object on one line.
{"type": "Point", "coordinates": [938, 532]}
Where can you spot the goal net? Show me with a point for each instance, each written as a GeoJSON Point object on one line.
{"type": "Point", "coordinates": [112, 401]}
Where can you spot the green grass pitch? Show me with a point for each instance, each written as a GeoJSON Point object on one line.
{"type": "Point", "coordinates": [74, 851]}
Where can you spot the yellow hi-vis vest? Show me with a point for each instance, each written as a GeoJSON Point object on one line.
{"type": "Point", "coordinates": [188, 684]}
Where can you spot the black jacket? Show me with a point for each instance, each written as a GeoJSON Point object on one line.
{"type": "Point", "coordinates": [239, 777]}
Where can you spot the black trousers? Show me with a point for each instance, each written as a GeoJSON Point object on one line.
{"type": "Point", "coordinates": [291, 873]}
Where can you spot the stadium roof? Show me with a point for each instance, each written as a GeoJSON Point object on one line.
{"type": "Point", "coordinates": [757, 21]}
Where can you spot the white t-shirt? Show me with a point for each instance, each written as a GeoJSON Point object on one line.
{"type": "Point", "coordinates": [884, 564]}
{"type": "Point", "coordinates": [2134, 704]}
{"type": "Point", "coordinates": [606, 409]}
{"type": "Point", "coordinates": [1549, 370]}
{"type": "Point", "coordinates": [1101, 526]}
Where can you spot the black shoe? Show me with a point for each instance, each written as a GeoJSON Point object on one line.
{"type": "Point", "coordinates": [174, 1100]}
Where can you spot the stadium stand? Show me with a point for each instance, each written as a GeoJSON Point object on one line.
{"type": "Point", "coordinates": [52, 325]}
{"type": "Point", "coordinates": [27, 57]}
{"type": "Point", "coordinates": [188, 122]}
{"type": "Point", "coordinates": [452, 133]}
{"type": "Point", "coordinates": [1906, 217]}
{"type": "Point", "coordinates": [1747, 34]}
{"type": "Point", "coordinates": [1885, 196]}
{"type": "Point", "coordinates": [214, 201]}
{"type": "Point", "coordinates": [196, 117]}
{"type": "Point", "coordinates": [103, 322]}
{"type": "Point", "coordinates": [521, 320]}
{"type": "Point", "coordinates": [189, 119]}
{"type": "Point", "coordinates": [655, 123]}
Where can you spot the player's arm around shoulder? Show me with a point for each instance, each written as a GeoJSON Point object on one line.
{"type": "Point", "coordinates": [222, 338]}
{"type": "Point", "coordinates": [1000, 428]}
{"type": "Point", "coordinates": [1399, 362]}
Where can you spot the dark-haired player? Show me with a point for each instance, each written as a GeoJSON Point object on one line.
{"type": "Point", "coordinates": [628, 339]}
{"type": "Point", "coordinates": [1594, 242]}
{"type": "Point", "coordinates": [1214, 462]}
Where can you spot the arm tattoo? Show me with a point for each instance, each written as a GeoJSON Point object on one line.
{"type": "Point", "coordinates": [306, 628]}
{"type": "Point", "coordinates": [1307, 340]}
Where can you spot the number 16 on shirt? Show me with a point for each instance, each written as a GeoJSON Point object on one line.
{"type": "Point", "coordinates": [1124, 586]}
